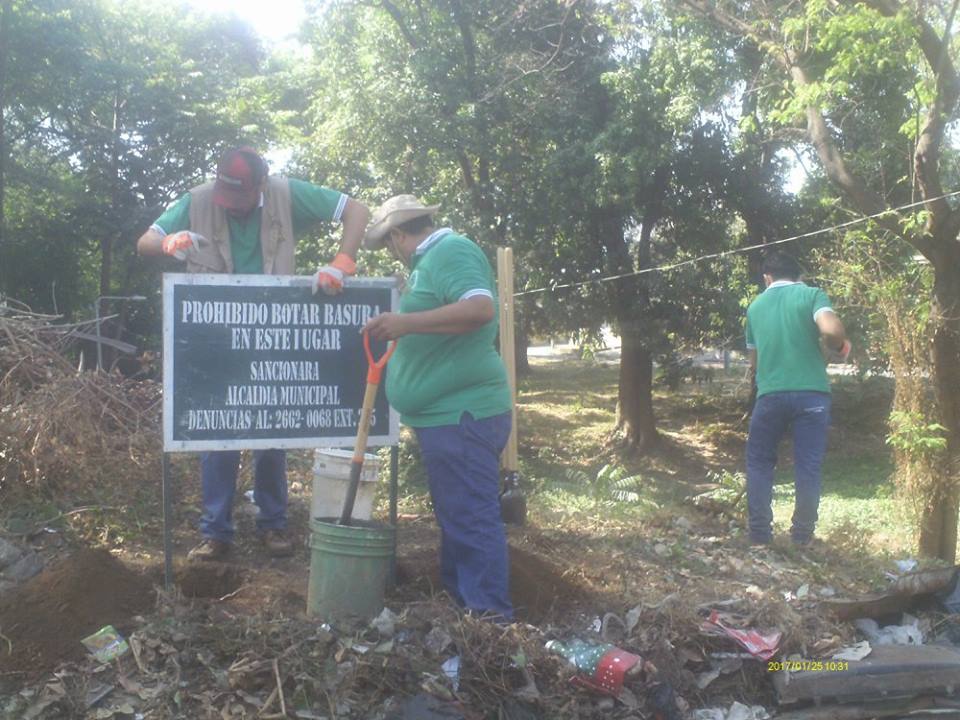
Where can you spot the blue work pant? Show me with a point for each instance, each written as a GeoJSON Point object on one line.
{"type": "Point", "coordinates": [463, 468]}
{"type": "Point", "coordinates": [218, 476]}
{"type": "Point", "coordinates": [808, 414]}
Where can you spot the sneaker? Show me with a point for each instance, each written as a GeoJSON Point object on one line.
{"type": "Point", "coordinates": [277, 543]}
{"type": "Point", "coordinates": [210, 550]}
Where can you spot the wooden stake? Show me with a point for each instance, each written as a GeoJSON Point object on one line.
{"type": "Point", "coordinates": [509, 458]}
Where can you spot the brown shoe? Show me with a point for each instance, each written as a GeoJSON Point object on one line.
{"type": "Point", "coordinates": [210, 550]}
{"type": "Point", "coordinates": [277, 543]}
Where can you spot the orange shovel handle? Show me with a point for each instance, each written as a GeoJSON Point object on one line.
{"type": "Point", "coordinates": [375, 368]}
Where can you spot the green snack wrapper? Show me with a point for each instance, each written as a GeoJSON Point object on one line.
{"type": "Point", "coordinates": [106, 644]}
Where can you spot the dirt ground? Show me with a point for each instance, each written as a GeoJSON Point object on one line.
{"type": "Point", "coordinates": [232, 640]}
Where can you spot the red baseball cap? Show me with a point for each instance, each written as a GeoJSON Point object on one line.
{"type": "Point", "coordinates": [239, 174]}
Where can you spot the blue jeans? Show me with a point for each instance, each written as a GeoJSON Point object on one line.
{"type": "Point", "coordinates": [463, 469]}
{"type": "Point", "coordinates": [218, 476]}
{"type": "Point", "coordinates": [809, 415]}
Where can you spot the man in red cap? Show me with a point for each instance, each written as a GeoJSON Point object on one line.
{"type": "Point", "coordinates": [247, 221]}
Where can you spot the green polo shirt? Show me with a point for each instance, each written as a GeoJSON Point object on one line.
{"type": "Point", "coordinates": [433, 379]}
{"type": "Point", "coordinates": [310, 204]}
{"type": "Point", "coordinates": [782, 328]}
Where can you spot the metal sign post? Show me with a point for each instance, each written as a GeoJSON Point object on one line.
{"type": "Point", "coordinates": [165, 491]}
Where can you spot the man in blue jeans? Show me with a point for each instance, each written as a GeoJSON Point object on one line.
{"type": "Point", "coordinates": [450, 385]}
{"type": "Point", "coordinates": [785, 325]}
{"type": "Point", "coordinates": [247, 222]}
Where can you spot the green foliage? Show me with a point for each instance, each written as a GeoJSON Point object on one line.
{"type": "Point", "coordinates": [111, 111]}
{"type": "Point", "coordinates": [910, 433]}
{"type": "Point", "coordinates": [611, 484]}
{"type": "Point", "coordinates": [730, 490]}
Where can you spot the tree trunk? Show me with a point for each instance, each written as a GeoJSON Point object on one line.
{"type": "Point", "coordinates": [635, 416]}
{"type": "Point", "coordinates": [521, 343]}
{"type": "Point", "coordinates": [939, 515]}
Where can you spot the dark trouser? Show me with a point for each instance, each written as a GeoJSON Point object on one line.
{"type": "Point", "coordinates": [463, 468]}
{"type": "Point", "coordinates": [809, 415]}
{"type": "Point", "coordinates": [218, 475]}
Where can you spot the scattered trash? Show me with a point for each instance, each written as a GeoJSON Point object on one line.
{"type": "Point", "coordinates": [705, 678]}
{"type": "Point", "coordinates": [725, 666]}
{"type": "Point", "coordinates": [385, 623]}
{"type": "Point", "coordinates": [905, 566]}
{"type": "Point", "coordinates": [803, 591]}
{"type": "Point", "coordinates": [451, 668]}
{"type": "Point", "coordinates": [737, 711]}
{"type": "Point", "coordinates": [760, 646]}
{"type": "Point", "coordinates": [732, 655]}
{"type": "Point", "coordinates": [633, 617]}
{"type": "Point", "coordinates": [600, 666]}
{"type": "Point", "coordinates": [906, 634]}
{"type": "Point", "coordinates": [437, 640]}
{"type": "Point", "coordinates": [106, 644]}
{"type": "Point", "coordinates": [854, 652]}
{"type": "Point", "coordinates": [709, 714]}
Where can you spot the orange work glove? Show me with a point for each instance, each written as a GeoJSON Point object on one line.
{"type": "Point", "coordinates": [179, 244]}
{"type": "Point", "coordinates": [845, 349]}
{"type": "Point", "coordinates": [329, 278]}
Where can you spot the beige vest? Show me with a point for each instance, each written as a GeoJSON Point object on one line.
{"type": "Point", "coordinates": [276, 231]}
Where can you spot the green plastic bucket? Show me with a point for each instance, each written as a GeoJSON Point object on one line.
{"type": "Point", "coordinates": [349, 566]}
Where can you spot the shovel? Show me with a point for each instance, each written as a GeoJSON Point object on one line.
{"type": "Point", "coordinates": [374, 372]}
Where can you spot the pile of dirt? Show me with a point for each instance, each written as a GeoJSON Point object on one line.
{"type": "Point", "coordinates": [44, 620]}
{"type": "Point", "coordinates": [539, 589]}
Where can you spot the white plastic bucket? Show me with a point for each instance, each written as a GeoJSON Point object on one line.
{"type": "Point", "coordinates": [331, 477]}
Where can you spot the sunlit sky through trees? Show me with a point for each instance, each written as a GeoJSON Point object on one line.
{"type": "Point", "coordinates": [274, 20]}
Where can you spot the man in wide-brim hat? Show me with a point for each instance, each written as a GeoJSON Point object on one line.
{"type": "Point", "coordinates": [449, 384]}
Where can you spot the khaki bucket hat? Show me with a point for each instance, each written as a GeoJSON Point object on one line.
{"type": "Point", "coordinates": [395, 211]}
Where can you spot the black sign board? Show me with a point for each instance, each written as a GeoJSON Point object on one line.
{"type": "Point", "coordinates": [259, 361]}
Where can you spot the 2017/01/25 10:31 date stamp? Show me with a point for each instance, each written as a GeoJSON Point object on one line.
{"type": "Point", "coordinates": [807, 665]}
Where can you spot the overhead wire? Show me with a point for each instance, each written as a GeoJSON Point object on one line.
{"type": "Point", "coordinates": [713, 256]}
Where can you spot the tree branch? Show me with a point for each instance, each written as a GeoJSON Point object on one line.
{"type": "Point", "coordinates": [469, 43]}
{"type": "Point", "coordinates": [398, 19]}
{"type": "Point", "coordinates": [853, 187]}
{"type": "Point", "coordinates": [944, 221]}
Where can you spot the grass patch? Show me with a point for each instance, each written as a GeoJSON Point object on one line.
{"type": "Point", "coordinates": [859, 507]}
{"type": "Point", "coordinates": [567, 413]}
